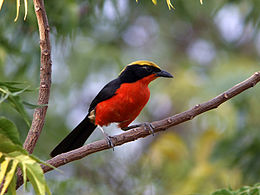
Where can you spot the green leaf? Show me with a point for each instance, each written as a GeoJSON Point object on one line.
{"type": "Point", "coordinates": [12, 156]}
{"type": "Point", "coordinates": [11, 83]}
{"type": "Point", "coordinates": [4, 166]}
{"type": "Point", "coordinates": [7, 146]}
{"type": "Point", "coordinates": [17, 104]}
{"type": "Point", "coordinates": [169, 3]}
{"type": "Point", "coordinates": [19, 91]}
{"type": "Point", "coordinates": [36, 177]}
{"type": "Point", "coordinates": [44, 163]}
{"type": "Point", "coordinates": [9, 176]}
{"type": "Point", "coordinates": [33, 170]}
{"type": "Point", "coordinates": [222, 192]}
{"type": "Point", "coordinates": [9, 91]}
{"type": "Point", "coordinates": [9, 129]}
{"type": "Point", "coordinates": [12, 186]}
{"type": "Point", "coordinates": [33, 106]}
{"type": "Point", "coordinates": [18, 8]}
{"type": "Point", "coordinates": [23, 167]}
{"type": "Point", "coordinates": [245, 190]}
{"type": "Point", "coordinates": [26, 9]}
{"type": "Point", "coordinates": [30, 168]}
{"type": "Point", "coordinates": [1, 4]}
{"type": "Point", "coordinates": [12, 86]}
{"type": "Point", "coordinates": [3, 97]}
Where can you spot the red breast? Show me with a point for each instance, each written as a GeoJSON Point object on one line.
{"type": "Point", "coordinates": [126, 104]}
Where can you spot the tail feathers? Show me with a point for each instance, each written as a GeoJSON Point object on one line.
{"type": "Point", "coordinates": [76, 138]}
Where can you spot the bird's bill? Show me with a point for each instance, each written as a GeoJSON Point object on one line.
{"type": "Point", "coordinates": [163, 73]}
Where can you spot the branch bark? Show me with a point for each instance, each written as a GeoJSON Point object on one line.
{"type": "Point", "coordinates": [140, 132]}
{"type": "Point", "coordinates": [45, 77]}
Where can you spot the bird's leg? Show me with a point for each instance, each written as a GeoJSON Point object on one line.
{"type": "Point", "coordinates": [107, 138]}
{"type": "Point", "coordinates": [147, 126]}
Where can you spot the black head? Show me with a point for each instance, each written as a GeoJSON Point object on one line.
{"type": "Point", "coordinates": [140, 69]}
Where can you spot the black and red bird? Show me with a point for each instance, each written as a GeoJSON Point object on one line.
{"type": "Point", "coordinates": [120, 101]}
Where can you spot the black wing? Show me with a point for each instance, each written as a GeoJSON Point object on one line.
{"type": "Point", "coordinates": [107, 92]}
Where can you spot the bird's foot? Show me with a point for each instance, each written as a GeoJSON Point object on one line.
{"type": "Point", "coordinates": [107, 138]}
{"type": "Point", "coordinates": [147, 126]}
{"type": "Point", "coordinates": [131, 127]}
{"type": "Point", "coordinates": [109, 141]}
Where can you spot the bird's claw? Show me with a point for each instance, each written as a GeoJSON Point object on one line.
{"type": "Point", "coordinates": [131, 127]}
{"type": "Point", "coordinates": [109, 141]}
{"type": "Point", "coordinates": [107, 138]}
{"type": "Point", "coordinates": [147, 126]}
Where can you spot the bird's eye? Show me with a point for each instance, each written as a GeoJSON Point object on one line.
{"type": "Point", "coordinates": [148, 68]}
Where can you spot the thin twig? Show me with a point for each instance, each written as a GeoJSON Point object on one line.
{"type": "Point", "coordinates": [45, 77]}
{"type": "Point", "coordinates": [140, 132]}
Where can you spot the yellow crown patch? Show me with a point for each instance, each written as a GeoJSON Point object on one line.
{"type": "Point", "coordinates": [141, 63]}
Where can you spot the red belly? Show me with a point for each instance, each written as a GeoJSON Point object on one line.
{"type": "Point", "coordinates": [125, 106]}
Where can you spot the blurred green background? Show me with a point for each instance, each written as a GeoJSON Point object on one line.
{"type": "Point", "coordinates": [208, 48]}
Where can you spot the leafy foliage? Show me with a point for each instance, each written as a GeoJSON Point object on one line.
{"type": "Point", "coordinates": [18, 3]}
{"type": "Point", "coordinates": [8, 129]}
{"type": "Point", "coordinates": [169, 3]}
{"type": "Point", "coordinates": [10, 92]}
{"type": "Point", "coordinates": [12, 156]}
{"type": "Point", "coordinates": [245, 190]}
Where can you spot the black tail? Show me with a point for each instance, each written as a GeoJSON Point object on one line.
{"type": "Point", "coordinates": [76, 138]}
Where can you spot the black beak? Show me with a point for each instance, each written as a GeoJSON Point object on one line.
{"type": "Point", "coordinates": [163, 73]}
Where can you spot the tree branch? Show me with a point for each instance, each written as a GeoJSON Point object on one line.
{"type": "Point", "coordinates": [45, 77]}
{"type": "Point", "coordinates": [140, 132]}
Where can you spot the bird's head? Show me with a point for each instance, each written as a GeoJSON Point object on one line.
{"type": "Point", "coordinates": [145, 70]}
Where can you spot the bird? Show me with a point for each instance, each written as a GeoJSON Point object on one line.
{"type": "Point", "coordinates": [120, 101]}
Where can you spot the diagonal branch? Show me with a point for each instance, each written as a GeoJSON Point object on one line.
{"type": "Point", "coordinates": [45, 77]}
{"type": "Point", "coordinates": [140, 132]}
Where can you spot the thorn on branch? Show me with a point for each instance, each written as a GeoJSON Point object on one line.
{"type": "Point", "coordinates": [197, 106]}
{"type": "Point", "coordinates": [43, 86]}
{"type": "Point", "coordinates": [37, 8]}
{"type": "Point", "coordinates": [65, 160]}
{"type": "Point", "coordinates": [45, 52]}
{"type": "Point", "coordinates": [226, 95]}
{"type": "Point", "coordinates": [42, 43]}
